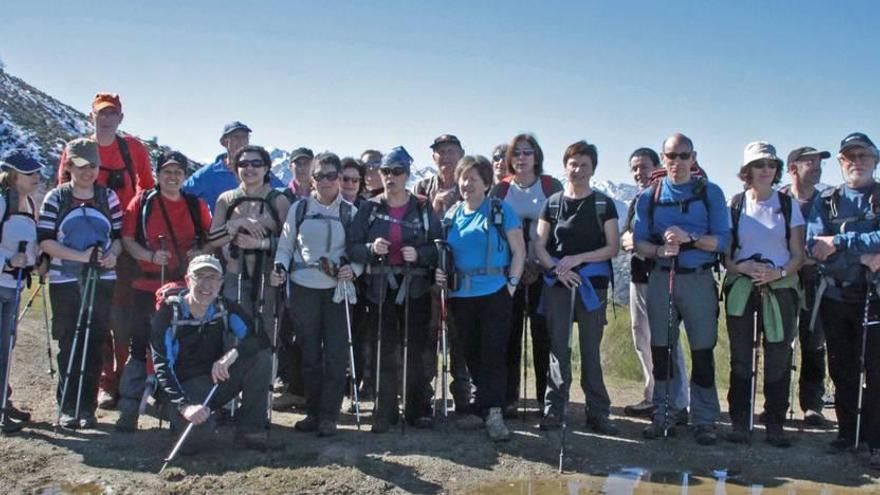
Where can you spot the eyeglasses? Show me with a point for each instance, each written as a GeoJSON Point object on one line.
{"type": "Point", "coordinates": [497, 158]}
{"type": "Point", "coordinates": [760, 165]}
{"type": "Point", "coordinates": [251, 164]}
{"type": "Point", "coordinates": [396, 171]}
{"type": "Point", "coordinates": [351, 180]}
{"type": "Point", "coordinates": [860, 157]}
{"type": "Point", "coordinates": [208, 279]}
{"type": "Point", "coordinates": [90, 166]}
{"type": "Point", "coordinates": [519, 153]}
{"type": "Point", "coordinates": [374, 163]}
{"type": "Point", "coordinates": [331, 176]}
{"type": "Point", "coordinates": [681, 156]}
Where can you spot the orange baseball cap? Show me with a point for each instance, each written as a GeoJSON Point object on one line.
{"type": "Point", "coordinates": [104, 100]}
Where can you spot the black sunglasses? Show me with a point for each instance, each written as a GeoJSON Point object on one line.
{"type": "Point", "coordinates": [251, 163]}
{"type": "Point", "coordinates": [498, 158]}
{"type": "Point", "coordinates": [681, 156]}
{"type": "Point", "coordinates": [764, 164]}
{"type": "Point", "coordinates": [353, 180]}
{"type": "Point", "coordinates": [331, 176]}
{"type": "Point", "coordinates": [396, 171]}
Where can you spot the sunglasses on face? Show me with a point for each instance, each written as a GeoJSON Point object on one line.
{"type": "Point", "coordinates": [90, 166]}
{"type": "Point", "coordinates": [519, 153]}
{"type": "Point", "coordinates": [351, 180]}
{"type": "Point", "coordinates": [396, 171]}
{"type": "Point", "coordinates": [763, 165]}
{"type": "Point", "coordinates": [497, 158]}
{"type": "Point", "coordinates": [374, 163]}
{"type": "Point", "coordinates": [251, 164]}
{"type": "Point", "coordinates": [331, 176]}
{"type": "Point", "coordinates": [681, 156]}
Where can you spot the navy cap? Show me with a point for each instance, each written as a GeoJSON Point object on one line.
{"type": "Point", "coordinates": [806, 152]}
{"type": "Point", "coordinates": [172, 158]}
{"type": "Point", "coordinates": [301, 153]}
{"type": "Point", "coordinates": [857, 139]}
{"type": "Point", "coordinates": [232, 127]}
{"type": "Point", "coordinates": [445, 138]}
{"type": "Point", "coordinates": [21, 163]}
{"type": "Point", "coordinates": [398, 156]}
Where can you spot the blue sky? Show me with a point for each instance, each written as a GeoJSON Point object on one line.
{"type": "Point", "coordinates": [353, 75]}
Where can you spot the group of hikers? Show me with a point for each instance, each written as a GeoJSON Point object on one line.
{"type": "Point", "coordinates": [228, 294]}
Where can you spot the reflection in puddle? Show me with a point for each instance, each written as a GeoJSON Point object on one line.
{"type": "Point", "coordinates": [640, 481]}
{"type": "Point", "coordinates": [68, 488]}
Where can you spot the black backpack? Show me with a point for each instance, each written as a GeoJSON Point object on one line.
{"type": "Point", "coordinates": [831, 198]}
{"type": "Point", "coordinates": [193, 205]}
{"type": "Point", "coordinates": [266, 202]}
{"type": "Point", "coordinates": [737, 203]}
{"type": "Point", "coordinates": [301, 214]}
{"type": "Point", "coordinates": [101, 201]}
{"type": "Point", "coordinates": [10, 195]}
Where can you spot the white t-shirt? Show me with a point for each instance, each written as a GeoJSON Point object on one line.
{"type": "Point", "coordinates": [527, 203]}
{"type": "Point", "coordinates": [762, 229]}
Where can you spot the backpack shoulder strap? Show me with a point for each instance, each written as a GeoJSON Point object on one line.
{"type": "Point", "coordinates": [601, 210]}
{"type": "Point", "coordinates": [547, 184]}
{"type": "Point", "coordinates": [65, 202]}
{"type": "Point", "coordinates": [831, 198]}
{"type": "Point", "coordinates": [345, 214]}
{"type": "Point", "coordinates": [102, 200]}
{"type": "Point", "coordinates": [786, 203]}
{"type": "Point", "coordinates": [195, 213]}
{"type": "Point", "coordinates": [126, 158]}
{"type": "Point", "coordinates": [737, 202]}
{"type": "Point", "coordinates": [300, 214]}
{"type": "Point", "coordinates": [503, 187]}
{"type": "Point", "coordinates": [146, 201]}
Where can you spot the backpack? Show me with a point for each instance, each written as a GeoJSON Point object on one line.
{"type": "Point", "coordinates": [192, 205]}
{"type": "Point", "coordinates": [700, 194]}
{"type": "Point", "coordinates": [171, 294]}
{"type": "Point", "coordinates": [344, 214]}
{"type": "Point", "coordinates": [831, 198]}
{"type": "Point", "coordinates": [126, 159]}
{"type": "Point", "coordinates": [423, 215]}
{"type": "Point", "coordinates": [554, 209]}
{"type": "Point", "coordinates": [239, 197]}
{"type": "Point", "coordinates": [502, 188]}
{"type": "Point", "coordinates": [737, 203]}
{"type": "Point", "coordinates": [496, 219]}
{"type": "Point", "coordinates": [10, 195]}
{"type": "Point", "coordinates": [101, 201]}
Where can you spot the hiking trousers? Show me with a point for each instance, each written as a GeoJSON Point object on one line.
{"type": "Point", "coordinates": [694, 302]}
{"type": "Point", "coordinates": [811, 382]}
{"type": "Point", "coordinates": [134, 375]}
{"type": "Point", "coordinates": [540, 345]}
{"type": "Point", "coordinates": [7, 321]}
{"type": "Point", "coordinates": [776, 358]}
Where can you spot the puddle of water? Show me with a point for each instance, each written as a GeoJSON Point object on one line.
{"type": "Point", "coordinates": [68, 488]}
{"type": "Point", "coordinates": [640, 481]}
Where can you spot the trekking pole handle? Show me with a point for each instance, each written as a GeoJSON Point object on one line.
{"type": "Point", "coordinates": [96, 253]}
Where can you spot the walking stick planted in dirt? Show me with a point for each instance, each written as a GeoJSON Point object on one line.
{"type": "Point", "coordinates": [279, 303]}
{"type": "Point", "coordinates": [442, 247]}
{"type": "Point", "coordinates": [27, 305]}
{"type": "Point", "coordinates": [51, 370]}
{"type": "Point", "coordinates": [354, 389]}
{"type": "Point", "coordinates": [523, 398]}
{"type": "Point", "coordinates": [186, 432]}
{"type": "Point", "coordinates": [407, 270]}
{"type": "Point", "coordinates": [73, 345]}
{"type": "Point", "coordinates": [865, 324]}
{"type": "Point", "coordinates": [96, 254]}
{"type": "Point", "coordinates": [670, 321]}
{"type": "Point", "coordinates": [22, 246]}
{"type": "Point", "coordinates": [565, 400]}
{"type": "Point", "coordinates": [753, 379]}
{"type": "Point", "coordinates": [383, 286]}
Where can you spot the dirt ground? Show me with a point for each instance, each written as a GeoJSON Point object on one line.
{"type": "Point", "coordinates": [444, 460]}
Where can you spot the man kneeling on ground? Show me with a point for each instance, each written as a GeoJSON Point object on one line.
{"type": "Point", "coordinates": [199, 339]}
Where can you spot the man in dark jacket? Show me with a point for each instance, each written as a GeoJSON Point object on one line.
{"type": "Point", "coordinates": [200, 339]}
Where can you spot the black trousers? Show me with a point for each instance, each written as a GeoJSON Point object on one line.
{"type": "Point", "coordinates": [66, 298]}
{"type": "Point", "coordinates": [776, 358]}
{"type": "Point", "coordinates": [391, 365]}
{"type": "Point", "coordinates": [811, 382]}
{"type": "Point", "coordinates": [540, 342]}
{"type": "Point", "coordinates": [483, 332]}
{"type": "Point", "coordinates": [843, 323]}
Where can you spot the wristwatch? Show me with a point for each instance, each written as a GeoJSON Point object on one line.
{"type": "Point", "coordinates": [694, 237]}
{"type": "Point", "coordinates": [782, 273]}
{"type": "Point", "coordinates": [513, 281]}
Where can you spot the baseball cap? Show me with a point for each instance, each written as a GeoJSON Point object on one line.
{"type": "Point", "coordinates": [397, 156]}
{"type": "Point", "coordinates": [857, 139]}
{"type": "Point", "coordinates": [760, 150]}
{"type": "Point", "coordinates": [204, 261]}
{"type": "Point", "coordinates": [172, 158]}
{"type": "Point", "coordinates": [233, 126]}
{"type": "Point", "coordinates": [83, 151]}
{"type": "Point", "coordinates": [21, 163]}
{"type": "Point", "coordinates": [806, 152]}
{"type": "Point", "coordinates": [445, 138]}
{"type": "Point", "coordinates": [105, 100]}
{"type": "Point", "coordinates": [301, 153]}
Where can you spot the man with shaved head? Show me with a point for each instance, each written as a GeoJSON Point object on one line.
{"type": "Point", "coordinates": [682, 223]}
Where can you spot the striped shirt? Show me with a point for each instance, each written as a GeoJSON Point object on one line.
{"type": "Point", "coordinates": [82, 225]}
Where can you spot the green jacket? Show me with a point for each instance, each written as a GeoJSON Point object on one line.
{"type": "Point", "coordinates": [740, 287]}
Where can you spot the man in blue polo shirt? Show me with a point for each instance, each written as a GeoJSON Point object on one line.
{"type": "Point", "coordinates": [213, 179]}
{"type": "Point", "coordinates": [682, 222]}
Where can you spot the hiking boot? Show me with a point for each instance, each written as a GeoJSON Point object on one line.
{"type": "Point", "coordinates": [380, 425]}
{"type": "Point", "coordinates": [106, 400]}
{"type": "Point", "coordinates": [307, 425]}
{"type": "Point", "coordinates": [813, 417]}
{"type": "Point", "coordinates": [841, 443]}
{"type": "Point", "coordinates": [705, 434]}
{"type": "Point", "coordinates": [287, 401]}
{"type": "Point", "coordinates": [365, 392]}
{"type": "Point", "coordinates": [68, 421]}
{"type": "Point", "coordinates": [655, 430]}
{"type": "Point", "coordinates": [874, 460]}
{"type": "Point", "coordinates": [739, 433]}
{"type": "Point", "coordinates": [776, 436]}
{"type": "Point", "coordinates": [762, 418]}
{"type": "Point", "coordinates": [88, 421]}
{"type": "Point", "coordinates": [602, 425]}
{"type": "Point", "coordinates": [10, 425]}
{"type": "Point", "coordinates": [17, 414]}
{"type": "Point", "coordinates": [510, 411]}
{"type": "Point", "coordinates": [644, 409]}
{"type": "Point", "coordinates": [127, 422]}
{"type": "Point", "coordinates": [256, 440]}
{"type": "Point", "coordinates": [681, 417]}
{"type": "Point", "coordinates": [422, 423]}
{"type": "Point", "coordinates": [551, 422]}
{"type": "Point", "coordinates": [495, 426]}
{"type": "Point", "coordinates": [469, 422]}
{"type": "Point", "coordinates": [326, 428]}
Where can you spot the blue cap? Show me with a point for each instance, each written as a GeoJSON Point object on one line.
{"type": "Point", "coordinates": [398, 156]}
{"type": "Point", "coordinates": [234, 126]}
{"type": "Point", "coordinates": [857, 139]}
{"type": "Point", "coordinates": [21, 163]}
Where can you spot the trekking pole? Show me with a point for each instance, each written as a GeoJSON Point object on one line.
{"type": "Point", "coordinates": [186, 432]}
{"type": "Point", "coordinates": [669, 323]}
{"type": "Point", "coordinates": [862, 363]}
{"type": "Point", "coordinates": [46, 322]}
{"type": "Point", "coordinates": [70, 360]}
{"type": "Point", "coordinates": [28, 304]}
{"type": "Point", "coordinates": [444, 328]}
{"type": "Point", "coordinates": [565, 400]}
{"type": "Point", "coordinates": [162, 267]}
{"type": "Point", "coordinates": [354, 389]}
{"type": "Point", "coordinates": [279, 301]}
{"type": "Point", "coordinates": [382, 288]}
{"type": "Point", "coordinates": [96, 252]}
{"type": "Point", "coordinates": [523, 398]}
{"type": "Point", "coordinates": [407, 267]}
{"type": "Point", "coordinates": [22, 245]}
{"type": "Point", "coordinates": [753, 379]}
{"type": "Point", "coordinates": [791, 382]}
